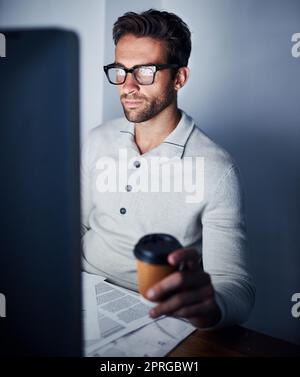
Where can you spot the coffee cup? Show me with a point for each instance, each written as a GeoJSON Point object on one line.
{"type": "Point", "coordinates": [151, 254]}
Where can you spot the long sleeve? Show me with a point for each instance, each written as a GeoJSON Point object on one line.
{"type": "Point", "coordinates": [225, 249]}
{"type": "Point", "coordinates": [86, 197]}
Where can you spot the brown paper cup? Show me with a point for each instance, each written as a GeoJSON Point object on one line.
{"type": "Point", "coordinates": [150, 274]}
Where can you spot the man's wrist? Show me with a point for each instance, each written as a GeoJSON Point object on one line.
{"type": "Point", "coordinates": [211, 320]}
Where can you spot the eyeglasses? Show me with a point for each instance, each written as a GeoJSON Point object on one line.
{"type": "Point", "coordinates": [144, 74]}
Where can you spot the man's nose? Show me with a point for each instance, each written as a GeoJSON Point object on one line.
{"type": "Point", "coordinates": [130, 84]}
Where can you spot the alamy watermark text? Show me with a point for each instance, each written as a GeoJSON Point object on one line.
{"type": "Point", "coordinates": [2, 46]}
{"type": "Point", "coordinates": [296, 46]}
{"type": "Point", "coordinates": [296, 307]}
{"type": "Point", "coordinates": [2, 305]}
{"type": "Point", "coordinates": [155, 174]}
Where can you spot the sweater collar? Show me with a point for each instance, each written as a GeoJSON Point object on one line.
{"type": "Point", "coordinates": [172, 146]}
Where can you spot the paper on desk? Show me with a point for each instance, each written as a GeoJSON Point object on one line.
{"type": "Point", "coordinates": [153, 340]}
{"type": "Point", "coordinates": [110, 312]}
{"type": "Point", "coordinates": [115, 318]}
{"type": "Point", "coordinates": [90, 318]}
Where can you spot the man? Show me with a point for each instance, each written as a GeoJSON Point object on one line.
{"type": "Point", "coordinates": [151, 66]}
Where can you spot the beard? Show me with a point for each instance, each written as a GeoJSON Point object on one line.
{"type": "Point", "coordinates": [150, 107]}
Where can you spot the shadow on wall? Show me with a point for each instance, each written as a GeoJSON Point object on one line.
{"type": "Point", "coordinates": [270, 169]}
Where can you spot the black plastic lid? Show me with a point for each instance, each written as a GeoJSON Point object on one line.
{"type": "Point", "coordinates": [155, 248]}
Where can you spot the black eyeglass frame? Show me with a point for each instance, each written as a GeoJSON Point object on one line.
{"type": "Point", "coordinates": [158, 67]}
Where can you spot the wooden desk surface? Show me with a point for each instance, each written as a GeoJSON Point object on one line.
{"type": "Point", "coordinates": [233, 341]}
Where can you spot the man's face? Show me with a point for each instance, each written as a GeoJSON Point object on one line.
{"type": "Point", "coordinates": [143, 102]}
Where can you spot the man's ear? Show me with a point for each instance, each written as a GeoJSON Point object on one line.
{"type": "Point", "coordinates": [181, 78]}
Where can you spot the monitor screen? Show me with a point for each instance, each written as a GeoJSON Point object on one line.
{"type": "Point", "coordinates": [40, 194]}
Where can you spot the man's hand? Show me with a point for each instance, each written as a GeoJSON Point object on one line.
{"type": "Point", "coordinates": [188, 293]}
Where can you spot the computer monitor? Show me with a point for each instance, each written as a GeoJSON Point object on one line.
{"type": "Point", "coordinates": [40, 282]}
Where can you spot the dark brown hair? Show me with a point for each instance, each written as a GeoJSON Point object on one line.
{"type": "Point", "coordinates": [159, 25]}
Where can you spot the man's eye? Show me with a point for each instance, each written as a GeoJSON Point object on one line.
{"type": "Point", "coordinates": [146, 71]}
{"type": "Point", "coordinates": [120, 72]}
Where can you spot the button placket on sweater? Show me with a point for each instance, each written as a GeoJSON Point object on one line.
{"type": "Point", "coordinates": [133, 162]}
{"type": "Point", "coordinates": [172, 147]}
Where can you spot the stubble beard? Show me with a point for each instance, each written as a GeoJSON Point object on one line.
{"type": "Point", "coordinates": [151, 107]}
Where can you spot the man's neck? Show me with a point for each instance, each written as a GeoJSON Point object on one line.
{"type": "Point", "coordinates": [151, 133]}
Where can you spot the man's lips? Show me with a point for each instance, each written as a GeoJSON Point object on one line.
{"type": "Point", "coordinates": [132, 103]}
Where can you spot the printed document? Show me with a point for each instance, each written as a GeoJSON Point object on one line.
{"type": "Point", "coordinates": [117, 323]}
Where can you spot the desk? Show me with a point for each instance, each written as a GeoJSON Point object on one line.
{"type": "Point", "coordinates": [233, 341]}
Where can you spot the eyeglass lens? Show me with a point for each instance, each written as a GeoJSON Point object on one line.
{"type": "Point", "coordinates": [143, 75]}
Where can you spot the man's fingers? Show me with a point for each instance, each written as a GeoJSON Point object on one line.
{"type": "Point", "coordinates": [178, 281]}
{"type": "Point", "coordinates": [181, 300]}
{"type": "Point", "coordinates": [185, 257]}
{"type": "Point", "coordinates": [195, 310]}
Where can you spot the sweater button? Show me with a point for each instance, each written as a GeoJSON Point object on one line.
{"type": "Point", "coordinates": [123, 211]}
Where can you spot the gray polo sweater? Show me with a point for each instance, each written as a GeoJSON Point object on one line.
{"type": "Point", "coordinates": [188, 187]}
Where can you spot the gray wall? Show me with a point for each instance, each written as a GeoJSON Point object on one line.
{"type": "Point", "coordinates": [244, 91]}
